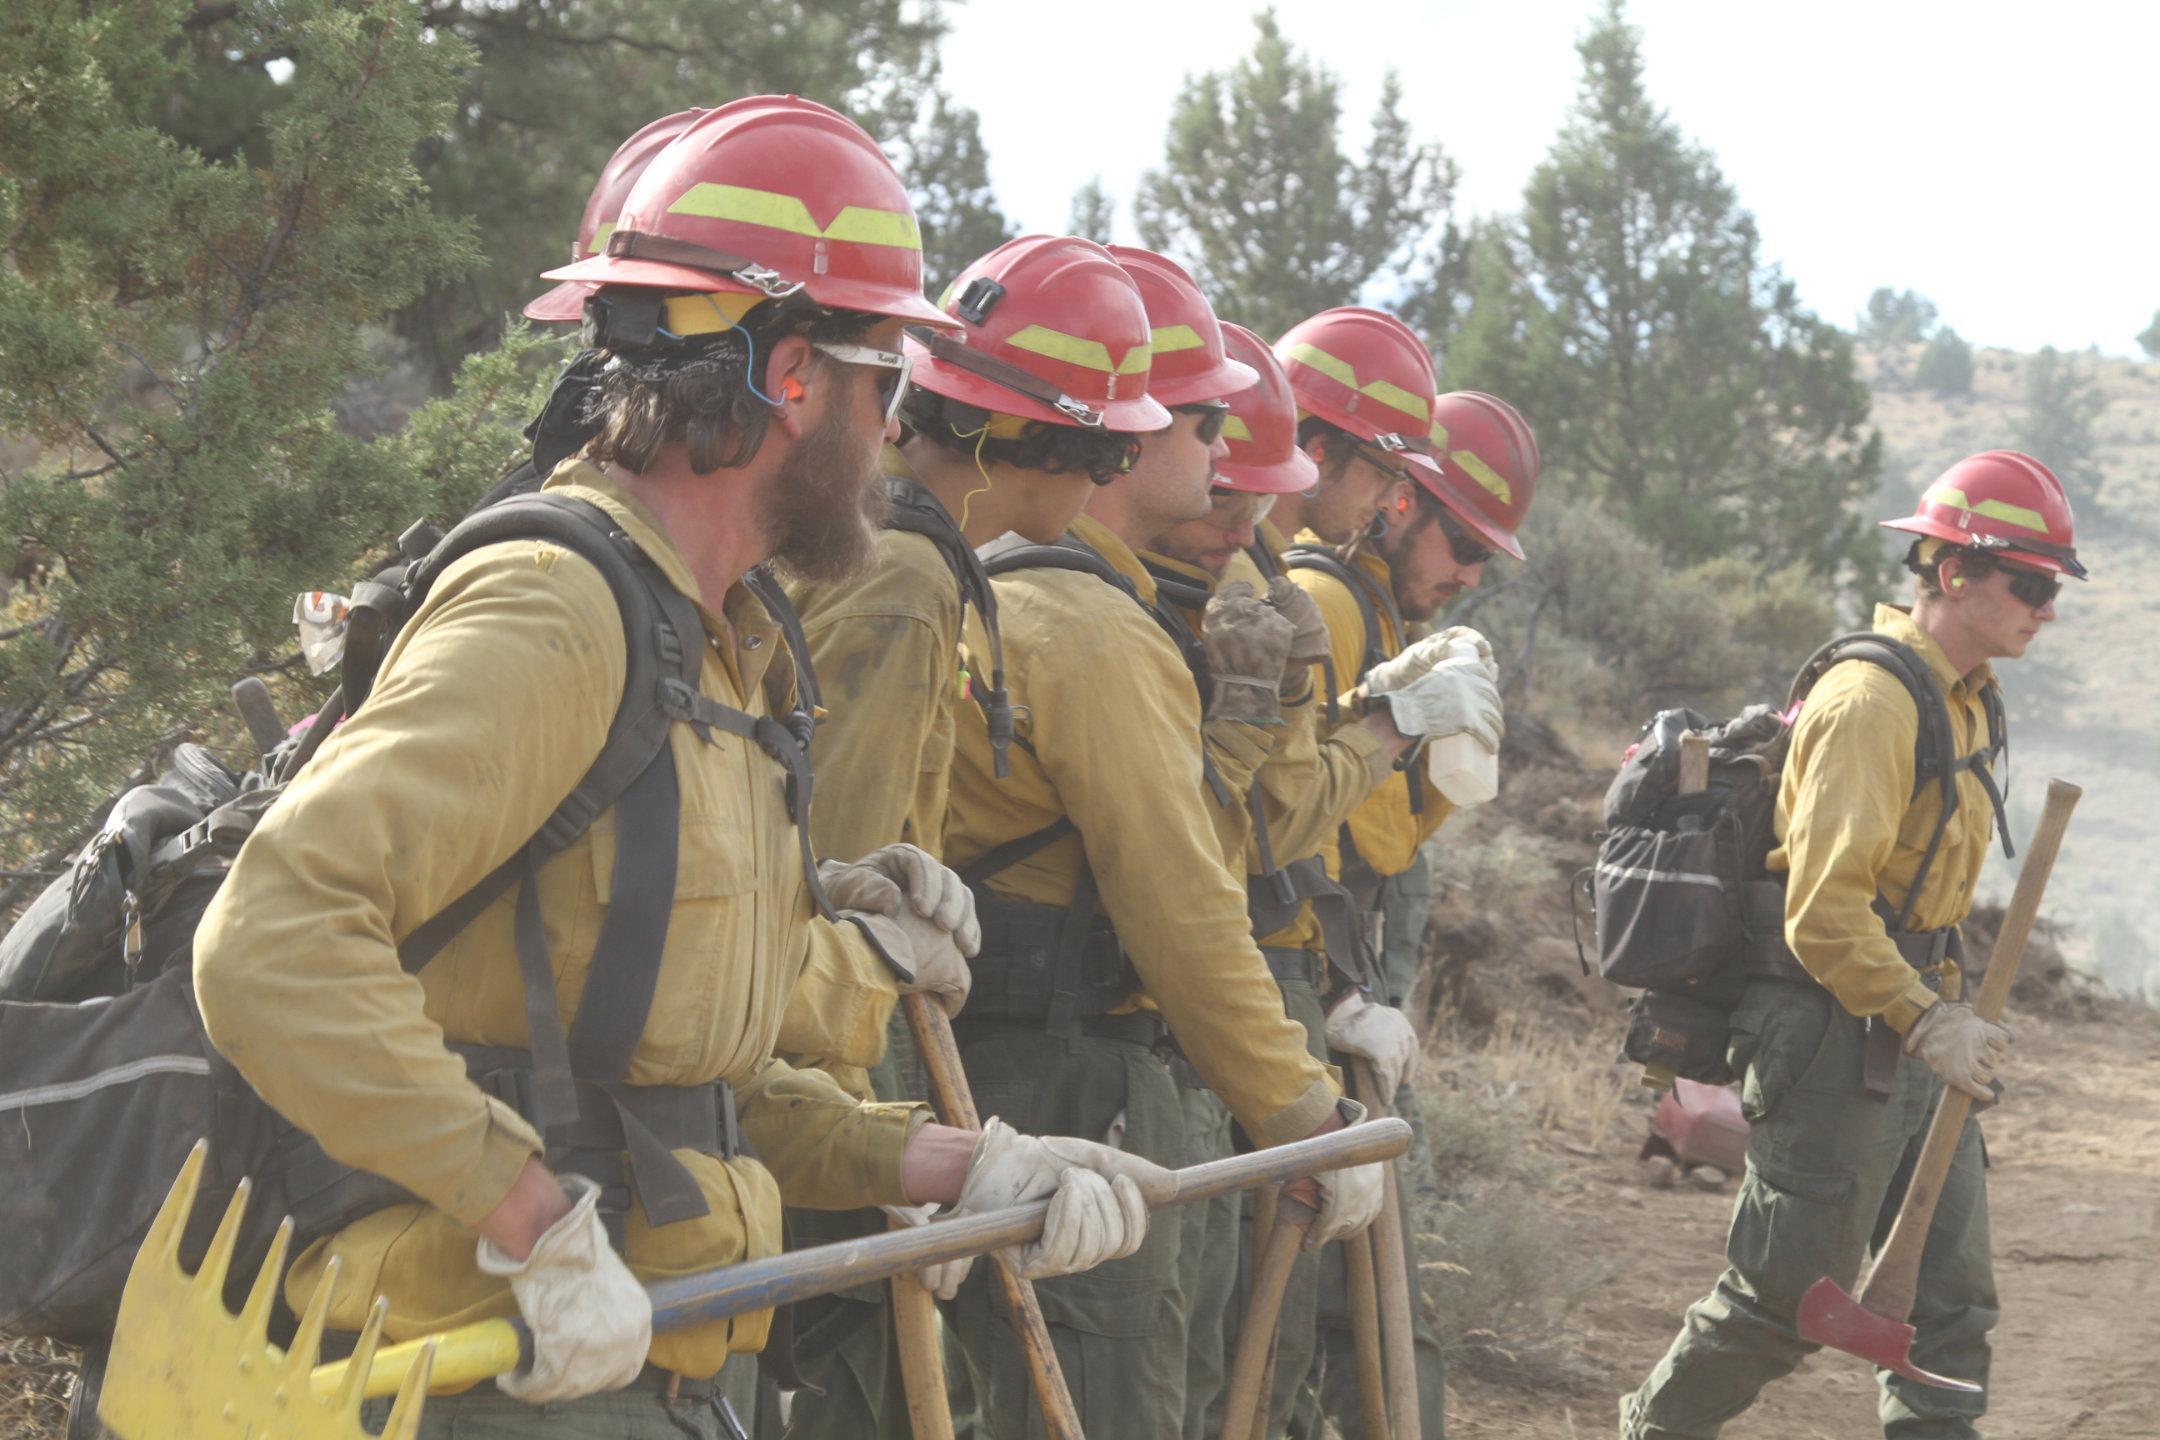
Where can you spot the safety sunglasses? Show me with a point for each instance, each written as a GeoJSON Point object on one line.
{"type": "Point", "coordinates": [1214, 414]}
{"type": "Point", "coordinates": [1371, 454]}
{"type": "Point", "coordinates": [2034, 588]}
{"type": "Point", "coordinates": [894, 366]}
{"type": "Point", "coordinates": [1467, 549]}
{"type": "Point", "coordinates": [1231, 508]}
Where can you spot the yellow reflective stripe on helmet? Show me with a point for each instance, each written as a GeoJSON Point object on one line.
{"type": "Point", "coordinates": [1073, 350]}
{"type": "Point", "coordinates": [702, 314]}
{"type": "Point", "coordinates": [599, 239]}
{"type": "Point", "coordinates": [1386, 392]}
{"type": "Point", "coordinates": [1168, 339]}
{"type": "Point", "coordinates": [2001, 510]}
{"type": "Point", "coordinates": [856, 224]}
{"type": "Point", "coordinates": [1235, 429]}
{"type": "Point", "coordinates": [1489, 479]}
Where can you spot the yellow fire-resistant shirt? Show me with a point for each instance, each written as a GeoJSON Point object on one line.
{"type": "Point", "coordinates": [1849, 826]}
{"type": "Point", "coordinates": [1109, 726]}
{"type": "Point", "coordinates": [491, 705]}
{"type": "Point", "coordinates": [886, 649]}
{"type": "Point", "coordinates": [1386, 831]}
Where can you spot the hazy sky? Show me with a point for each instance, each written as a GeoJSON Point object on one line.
{"type": "Point", "coordinates": [2002, 159]}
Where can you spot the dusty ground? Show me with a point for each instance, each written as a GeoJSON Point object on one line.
{"type": "Point", "coordinates": [2076, 1215]}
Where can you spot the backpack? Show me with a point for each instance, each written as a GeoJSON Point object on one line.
{"type": "Point", "coordinates": [915, 511]}
{"type": "Point", "coordinates": [106, 1077]}
{"type": "Point", "coordinates": [1686, 909]}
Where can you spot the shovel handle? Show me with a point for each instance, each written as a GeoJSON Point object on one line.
{"type": "Point", "coordinates": [1391, 1263]}
{"type": "Point", "coordinates": [956, 1103]}
{"type": "Point", "coordinates": [1245, 1397]}
{"type": "Point", "coordinates": [477, 1352]}
{"type": "Point", "coordinates": [1891, 1283]}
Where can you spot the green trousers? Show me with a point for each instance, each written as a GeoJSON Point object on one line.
{"type": "Point", "coordinates": [1119, 1329]}
{"type": "Point", "coordinates": [846, 1347]}
{"type": "Point", "coordinates": [1217, 1300]}
{"type": "Point", "coordinates": [1210, 1241]}
{"type": "Point", "coordinates": [485, 1413]}
{"type": "Point", "coordinates": [1827, 1168]}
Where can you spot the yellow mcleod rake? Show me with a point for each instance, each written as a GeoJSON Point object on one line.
{"type": "Point", "coordinates": [184, 1367]}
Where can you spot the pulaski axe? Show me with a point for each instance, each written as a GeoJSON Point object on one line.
{"type": "Point", "coordinates": [183, 1367]}
{"type": "Point", "coordinates": [1871, 1322]}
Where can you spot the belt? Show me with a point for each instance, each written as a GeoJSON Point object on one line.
{"type": "Point", "coordinates": [672, 1386]}
{"type": "Point", "coordinates": [1303, 967]}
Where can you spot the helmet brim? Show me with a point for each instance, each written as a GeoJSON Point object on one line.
{"type": "Point", "coordinates": [1929, 529]}
{"type": "Point", "coordinates": [834, 294]}
{"type": "Point", "coordinates": [1137, 416]}
{"type": "Point", "coordinates": [1218, 382]}
{"type": "Point", "coordinates": [563, 304]}
{"type": "Point", "coordinates": [1293, 476]}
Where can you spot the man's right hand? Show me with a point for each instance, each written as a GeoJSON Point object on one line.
{"type": "Point", "coordinates": [591, 1322]}
{"type": "Point", "coordinates": [1350, 1197]}
{"type": "Point", "coordinates": [919, 911]}
{"type": "Point", "coordinates": [1954, 1042]}
{"type": "Point", "coordinates": [1455, 697]}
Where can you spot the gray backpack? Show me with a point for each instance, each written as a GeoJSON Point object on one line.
{"type": "Point", "coordinates": [106, 1077]}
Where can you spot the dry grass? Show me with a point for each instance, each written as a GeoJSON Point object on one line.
{"type": "Point", "coordinates": [35, 1380]}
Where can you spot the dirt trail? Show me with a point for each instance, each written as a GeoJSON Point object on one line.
{"type": "Point", "coordinates": [2075, 1195]}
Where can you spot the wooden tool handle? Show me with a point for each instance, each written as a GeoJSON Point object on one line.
{"type": "Point", "coordinates": [922, 1358]}
{"type": "Point", "coordinates": [1244, 1404]}
{"type": "Point", "coordinates": [1391, 1261]}
{"type": "Point", "coordinates": [1365, 1335]}
{"type": "Point", "coordinates": [1889, 1286]}
{"type": "Point", "coordinates": [956, 1103]}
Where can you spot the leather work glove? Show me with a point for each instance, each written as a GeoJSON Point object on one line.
{"type": "Point", "coordinates": [590, 1320]}
{"type": "Point", "coordinates": [1379, 1033]}
{"type": "Point", "coordinates": [1309, 637]}
{"type": "Point", "coordinates": [919, 911]}
{"type": "Point", "coordinates": [1349, 1197]}
{"type": "Point", "coordinates": [886, 876]}
{"type": "Point", "coordinates": [942, 1280]}
{"type": "Point", "coordinates": [1098, 1196]}
{"type": "Point", "coordinates": [1959, 1046]}
{"type": "Point", "coordinates": [1248, 648]}
{"type": "Point", "coordinates": [1422, 655]}
{"type": "Point", "coordinates": [1455, 697]}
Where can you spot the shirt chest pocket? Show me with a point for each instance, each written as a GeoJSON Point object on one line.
{"type": "Point", "coordinates": [707, 967]}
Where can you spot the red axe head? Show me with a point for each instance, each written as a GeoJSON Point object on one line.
{"type": "Point", "coordinates": [1829, 1316]}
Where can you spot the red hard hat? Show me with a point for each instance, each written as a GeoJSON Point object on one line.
{"type": "Point", "coordinates": [769, 196]}
{"type": "Point", "coordinates": [1261, 430]}
{"type": "Point", "coordinates": [2002, 502]}
{"type": "Point", "coordinates": [1488, 465]}
{"type": "Point", "coordinates": [1367, 373]}
{"type": "Point", "coordinates": [566, 302]}
{"type": "Point", "coordinates": [1189, 364]}
{"type": "Point", "coordinates": [1051, 329]}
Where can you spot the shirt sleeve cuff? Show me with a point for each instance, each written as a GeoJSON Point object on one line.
{"type": "Point", "coordinates": [1900, 1013]}
{"type": "Point", "coordinates": [508, 1144]}
{"type": "Point", "coordinates": [889, 1128]}
{"type": "Point", "coordinates": [1300, 1118]}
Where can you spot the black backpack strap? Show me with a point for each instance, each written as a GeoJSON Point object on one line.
{"type": "Point", "coordinates": [1263, 560]}
{"type": "Point", "coordinates": [1373, 600]}
{"type": "Point", "coordinates": [917, 512]}
{"type": "Point", "coordinates": [1935, 757]}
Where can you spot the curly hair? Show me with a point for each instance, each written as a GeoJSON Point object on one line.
{"type": "Point", "coordinates": [695, 392]}
{"type": "Point", "coordinates": [1102, 455]}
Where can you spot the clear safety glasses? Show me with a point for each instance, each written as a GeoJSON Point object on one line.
{"type": "Point", "coordinates": [1232, 509]}
{"type": "Point", "coordinates": [895, 366]}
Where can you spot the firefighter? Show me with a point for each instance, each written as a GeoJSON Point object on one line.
{"type": "Point", "coordinates": [1843, 1065]}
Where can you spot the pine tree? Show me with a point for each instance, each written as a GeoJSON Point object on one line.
{"type": "Point", "coordinates": [175, 332]}
{"type": "Point", "coordinates": [553, 86]}
{"type": "Point", "coordinates": [2149, 340]}
{"type": "Point", "coordinates": [1258, 198]}
{"type": "Point", "coordinates": [2062, 400]}
{"type": "Point", "coordinates": [1093, 212]}
{"type": "Point", "coordinates": [1946, 365]}
{"type": "Point", "coordinates": [1665, 366]}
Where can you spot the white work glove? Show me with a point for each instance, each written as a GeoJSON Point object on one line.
{"type": "Point", "coordinates": [1098, 1196]}
{"type": "Point", "coordinates": [1248, 649]}
{"type": "Point", "coordinates": [1454, 697]}
{"type": "Point", "coordinates": [941, 1280]}
{"type": "Point", "coordinates": [1349, 1197]}
{"type": "Point", "coordinates": [1959, 1046]}
{"type": "Point", "coordinates": [591, 1323]}
{"type": "Point", "coordinates": [1422, 655]}
{"type": "Point", "coordinates": [919, 911]}
{"type": "Point", "coordinates": [1378, 1033]}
